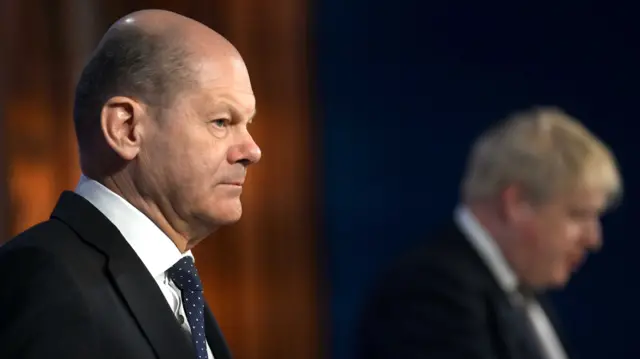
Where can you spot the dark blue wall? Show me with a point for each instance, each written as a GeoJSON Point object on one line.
{"type": "Point", "coordinates": [403, 88]}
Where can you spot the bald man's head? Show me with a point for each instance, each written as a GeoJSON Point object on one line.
{"type": "Point", "coordinates": [148, 55]}
{"type": "Point", "coordinates": [162, 117]}
{"type": "Point", "coordinates": [129, 62]}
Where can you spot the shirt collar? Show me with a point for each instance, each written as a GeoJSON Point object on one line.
{"type": "Point", "coordinates": [487, 248]}
{"type": "Point", "coordinates": [154, 248]}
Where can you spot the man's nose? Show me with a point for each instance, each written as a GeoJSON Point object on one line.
{"type": "Point", "coordinates": [593, 236]}
{"type": "Point", "coordinates": [246, 152]}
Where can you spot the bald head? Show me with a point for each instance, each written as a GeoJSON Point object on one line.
{"type": "Point", "coordinates": [188, 33]}
{"type": "Point", "coordinates": [150, 56]}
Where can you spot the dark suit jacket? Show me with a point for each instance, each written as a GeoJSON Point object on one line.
{"type": "Point", "coordinates": [442, 302]}
{"type": "Point", "coordinates": [72, 287]}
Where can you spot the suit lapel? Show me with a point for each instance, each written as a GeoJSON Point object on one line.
{"type": "Point", "coordinates": [151, 310]}
{"type": "Point", "coordinates": [215, 339]}
{"type": "Point", "coordinates": [508, 324]}
{"type": "Point", "coordinates": [547, 306]}
{"type": "Point", "coordinates": [515, 330]}
{"type": "Point", "coordinates": [129, 275]}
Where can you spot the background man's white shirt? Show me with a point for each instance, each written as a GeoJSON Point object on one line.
{"type": "Point", "coordinates": [506, 278]}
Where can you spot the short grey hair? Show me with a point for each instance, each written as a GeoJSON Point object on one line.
{"type": "Point", "coordinates": [544, 150]}
{"type": "Point", "coordinates": [131, 62]}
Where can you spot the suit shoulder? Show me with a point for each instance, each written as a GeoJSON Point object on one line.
{"type": "Point", "coordinates": [40, 235]}
{"type": "Point", "coordinates": [445, 258]}
{"type": "Point", "coordinates": [444, 249]}
{"type": "Point", "coordinates": [40, 259]}
{"type": "Point", "coordinates": [57, 239]}
{"type": "Point", "coordinates": [430, 303]}
{"type": "Point", "coordinates": [33, 281]}
{"type": "Point", "coordinates": [23, 264]}
{"type": "Point", "coordinates": [41, 302]}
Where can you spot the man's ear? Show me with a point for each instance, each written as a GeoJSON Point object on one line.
{"type": "Point", "coordinates": [121, 125]}
{"type": "Point", "coordinates": [516, 207]}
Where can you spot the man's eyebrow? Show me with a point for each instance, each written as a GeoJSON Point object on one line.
{"type": "Point", "coordinates": [232, 107]}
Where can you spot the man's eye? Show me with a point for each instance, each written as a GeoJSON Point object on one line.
{"type": "Point", "coordinates": [220, 123]}
{"type": "Point", "coordinates": [581, 214]}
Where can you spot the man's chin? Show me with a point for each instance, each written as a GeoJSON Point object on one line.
{"type": "Point", "coordinates": [229, 215]}
{"type": "Point", "coordinates": [227, 221]}
{"type": "Point", "coordinates": [560, 280]}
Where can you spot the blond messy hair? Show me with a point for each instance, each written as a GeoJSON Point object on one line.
{"type": "Point", "coordinates": [543, 150]}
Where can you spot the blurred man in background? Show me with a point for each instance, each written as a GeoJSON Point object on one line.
{"type": "Point", "coordinates": [161, 115]}
{"type": "Point", "coordinates": [534, 190]}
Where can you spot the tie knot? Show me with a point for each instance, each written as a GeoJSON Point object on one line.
{"type": "Point", "coordinates": [185, 275]}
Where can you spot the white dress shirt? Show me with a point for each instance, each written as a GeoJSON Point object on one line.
{"type": "Point", "coordinates": [154, 248]}
{"type": "Point", "coordinates": [506, 278]}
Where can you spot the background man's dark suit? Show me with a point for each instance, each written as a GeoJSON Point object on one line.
{"type": "Point", "coordinates": [441, 301]}
{"type": "Point", "coordinates": [85, 294]}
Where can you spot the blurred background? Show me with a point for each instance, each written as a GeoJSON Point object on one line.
{"type": "Point", "coordinates": [366, 112]}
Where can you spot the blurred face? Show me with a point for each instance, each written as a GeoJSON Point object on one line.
{"type": "Point", "coordinates": [556, 236]}
{"type": "Point", "coordinates": [194, 158]}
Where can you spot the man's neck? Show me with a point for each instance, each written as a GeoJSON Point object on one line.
{"type": "Point", "coordinates": [126, 189]}
{"type": "Point", "coordinates": [487, 216]}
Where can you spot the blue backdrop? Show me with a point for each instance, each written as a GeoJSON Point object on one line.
{"type": "Point", "coordinates": [405, 86]}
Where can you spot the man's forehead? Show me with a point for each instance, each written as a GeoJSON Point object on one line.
{"type": "Point", "coordinates": [586, 197]}
{"type": "Point", "coordinates": [225, 82]}
{"type": "Point", "coordinates": [227, 71]}
{"type": "Point", "coordinates": [237, 100]}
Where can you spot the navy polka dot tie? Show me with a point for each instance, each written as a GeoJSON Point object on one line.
{"type": "Point", "coordinates": [185, 276]}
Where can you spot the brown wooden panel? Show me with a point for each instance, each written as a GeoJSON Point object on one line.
{"type": "Point", "coordinates": [260, 275]}
{"type": "Point", "coordinates": [5, 26]}
{"type": "Point", "coordinates": [5, 214]}
{"type": "Point", "coordinates": [30, 113]}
